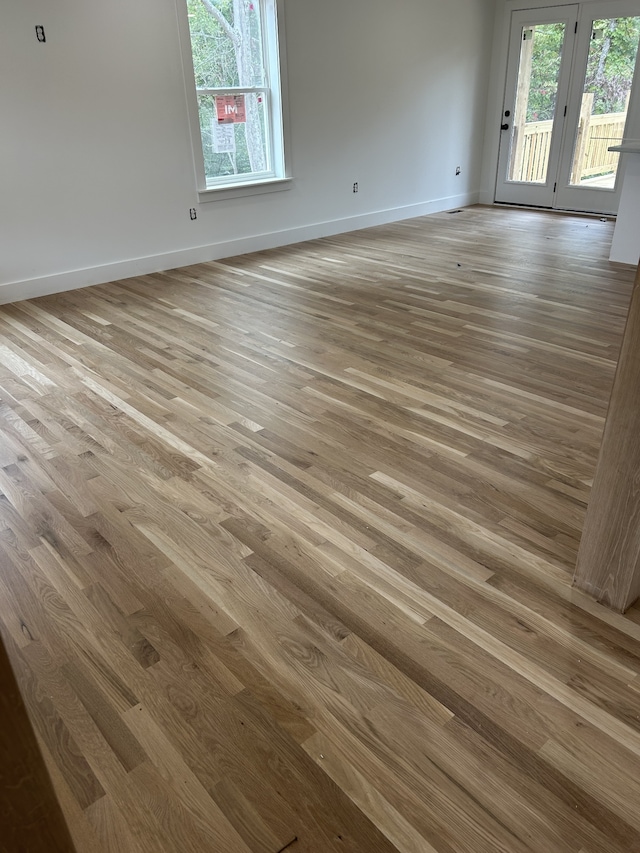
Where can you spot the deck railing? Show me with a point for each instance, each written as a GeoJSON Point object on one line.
{"type": "Point", "coordinates": [604, 131]}
{"type": "Point", "coordinates": [536, 144]}
{"type": "Point", "coordinates": [592, 157]}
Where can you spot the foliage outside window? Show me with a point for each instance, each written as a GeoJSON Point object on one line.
{"type": "Point", "coordinates": [610, 68]}
{"type": "Point", "coordinates": [237, 81]}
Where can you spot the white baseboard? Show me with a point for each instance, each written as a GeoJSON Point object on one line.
{"type": "Point", "coordinates": [59, 282]}
{"type": "Point", "coordinates": [486, 197]}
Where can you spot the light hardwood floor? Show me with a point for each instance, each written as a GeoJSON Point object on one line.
{"type": "Point", "coordinates": [287, 541]}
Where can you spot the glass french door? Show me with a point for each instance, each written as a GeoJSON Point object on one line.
{"type": "Point", "coordinates": [540, 55]}
{"type": "Point", "coordinates": [570, 86]}
{"type": "Point", "coordinates": [598, 109]}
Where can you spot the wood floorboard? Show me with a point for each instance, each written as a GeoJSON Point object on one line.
{"type": "Point", "coordinates": [286, 546]}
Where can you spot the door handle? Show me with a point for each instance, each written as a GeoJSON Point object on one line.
{"type": "Point", "coordinates": [504, 126]}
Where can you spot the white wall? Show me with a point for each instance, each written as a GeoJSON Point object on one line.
{"type": "Point", "coordinates": [625, 247]}
{"type": "Point", "coordinates": [96, 176]}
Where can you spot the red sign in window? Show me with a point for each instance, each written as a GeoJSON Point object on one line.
{"type": "Point", "coordinates": [231, 109]}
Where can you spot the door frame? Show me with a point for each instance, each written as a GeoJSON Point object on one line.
{"type": "Point", "coordinates": [500, 52]}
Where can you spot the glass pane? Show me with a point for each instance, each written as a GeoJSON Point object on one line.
{"type": "Point", "coordinates": [233, 135]}
{"type": "Point", "coordinates": [605, 101]}
{"type": "Point", "coordinates": [216, 27]}
{"type": "Point", "coordinates": [535, 105]}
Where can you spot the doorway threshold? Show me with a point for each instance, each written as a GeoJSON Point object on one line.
{"type": "Point", "coordinates": [592, 214]}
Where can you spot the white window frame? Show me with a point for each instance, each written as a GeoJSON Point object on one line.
{"type": "Point", "coordinates": [278, 176]}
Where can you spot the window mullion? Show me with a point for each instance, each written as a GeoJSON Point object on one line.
{"type": "Point", "coordinates": [234, 90]}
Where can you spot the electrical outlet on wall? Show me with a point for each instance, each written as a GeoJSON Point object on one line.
{"type": "Point", "coordinates": [193, 213]}
{"type": "Point", "coordinates": [458, 170]}
{"type": "Point", "coordinates": [355, 186]}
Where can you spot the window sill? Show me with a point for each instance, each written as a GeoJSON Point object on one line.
{"type": "Point", "coordinates": [240, 190]}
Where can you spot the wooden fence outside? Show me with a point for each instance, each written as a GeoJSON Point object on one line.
{"type": "Point", "coordinates": [596, 133]}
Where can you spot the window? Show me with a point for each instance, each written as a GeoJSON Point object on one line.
{"type": "Point", "coordinates": [236, 104]}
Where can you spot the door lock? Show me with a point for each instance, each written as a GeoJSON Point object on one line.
{"type": "Point", "coordinates": [504, 126]}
